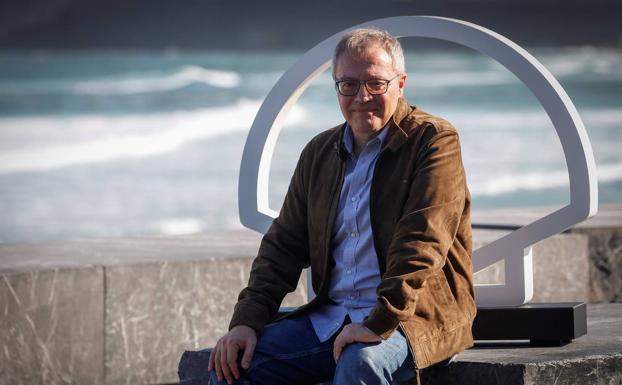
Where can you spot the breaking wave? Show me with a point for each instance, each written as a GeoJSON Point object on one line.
{"type": "Point", "coordinates": [137, 136]}
{"type": "Point", "coordinates": [539, 180]}
{"type": "Point", "coordinates": [128, 83]}
{"type": "Point", "coordinates": [185, 76]}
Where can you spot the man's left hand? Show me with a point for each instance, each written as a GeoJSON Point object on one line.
{"type": "Point", "coordinates": [354, 332]}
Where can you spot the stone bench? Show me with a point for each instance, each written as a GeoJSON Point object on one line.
{"type": "Point", "coordinates": [595, 358]}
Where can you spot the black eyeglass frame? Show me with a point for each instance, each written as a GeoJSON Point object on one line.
{"type": "Point", "coordinates": [360, 82]}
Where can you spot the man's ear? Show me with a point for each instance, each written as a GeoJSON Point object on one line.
{"type": "Point", "coordinates": [402, 83]}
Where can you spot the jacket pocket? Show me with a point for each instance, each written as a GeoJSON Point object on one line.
{"type": "Point", "coordinates": [440, 289]}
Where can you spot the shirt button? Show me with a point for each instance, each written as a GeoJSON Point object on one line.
{"type": "Point", "coordinates": [348, 271]}
{"type": "Point", "coordinates": [353, 234]}
{"type": "Point", "coordinates": [351, 296]}
{"type": "Point", "coordinates": [353, 199]}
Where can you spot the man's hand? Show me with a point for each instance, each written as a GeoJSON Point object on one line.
{"type": "Point", "coordinates": [354, 332]}
{"type": "Point", "coordinates": [225, 354]}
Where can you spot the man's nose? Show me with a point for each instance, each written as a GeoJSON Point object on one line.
{"type": "Point", "coordinates": [363, 95]}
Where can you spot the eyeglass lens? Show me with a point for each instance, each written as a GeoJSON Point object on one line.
{"type": "Point", "coordinates": [351, 87]}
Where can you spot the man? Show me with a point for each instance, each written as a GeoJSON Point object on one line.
{"type": "Point", "coordinates": [378, 207]}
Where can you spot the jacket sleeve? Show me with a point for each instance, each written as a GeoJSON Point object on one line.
{"type": "Point", "coordinates": [424, 232]}
{"type": "Point", "coordinates": [282, 255]}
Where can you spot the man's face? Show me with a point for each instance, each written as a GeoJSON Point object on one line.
{"type": "Point", "coordinates": [367, 114]}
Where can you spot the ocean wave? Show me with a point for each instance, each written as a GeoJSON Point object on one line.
{"type": "Point", "coordinates": [130, 136]}
{"type": "Point", "coordinates": [609, 172]}
{"type": "Point", "coordinates": [459, 79]}
{"type": "Point", "coordinates": [581, 61]}
{"type": "Point", "coordinates": [473, 119]}
{"type": "Point", "coordinates": [126, 84]}
{"type": "Point", "coordinates": [447, 69]}
{"type": "Point", "coordinates": [539, 180]}
{"type": "Point", "coordinates": [562, 71]}
{"type": "Point", "coordinates": [181, 226]}
{"type": "Point", "coordinates": [516, 182]}
{"type": "Point", "coordinates": [90, 139]}
{"type": "Point", "coordinates": [183, 77]}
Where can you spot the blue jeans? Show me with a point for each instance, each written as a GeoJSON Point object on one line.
{"type": "Point", "coordinates": [289, 352]}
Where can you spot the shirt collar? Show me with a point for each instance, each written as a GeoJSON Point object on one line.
{"type": "Point", "coordinates": [348, 138]}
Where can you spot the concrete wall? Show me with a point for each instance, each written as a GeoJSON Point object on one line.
{"type": "Point", "coordinates": [52, 325]}
{"type": "Point", "coordinates": [119, 323]}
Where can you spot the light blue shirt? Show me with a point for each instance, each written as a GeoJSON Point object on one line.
{"type": "Point", "coordinates": [356, 273]}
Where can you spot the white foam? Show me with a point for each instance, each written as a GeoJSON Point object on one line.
{"type": "Point", "coordinates": [577, 62]}
{"type": "Point", "coordinates": [183, 77]}
{"type": "Point", "coordinates": [519, 181]}
{"type": "Point", "coordinates": [460, 79]}
{"type": "Point", "coordinates": [90, 139]}
{"type": "Point", "coordinates": [564, 64]}
{"type": "Point", "coordinates": [594, 119]}
{"type": "Point", "coordinates": [181, 226]}
{"type": "Point", "coordinates": [539, 180]}
{"type": "Point", "coordinates": [609, 172]}
{"type": "Point", "coordinates": [134, 136]}
{"type": "Point", "coordinates": [126, 83]}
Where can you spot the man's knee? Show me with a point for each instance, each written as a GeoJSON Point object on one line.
{"type": "Point", "coordinates": [357, 361]}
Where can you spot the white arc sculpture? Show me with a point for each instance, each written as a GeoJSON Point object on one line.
{"type": "Point", "coordinates": [514, 248]}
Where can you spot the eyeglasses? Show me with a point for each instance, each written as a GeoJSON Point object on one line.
{"type": "Point", "coordinates": [351, 87]}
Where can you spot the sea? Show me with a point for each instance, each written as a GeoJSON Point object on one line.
{"type": "Point", "coordinates": [136, 143]}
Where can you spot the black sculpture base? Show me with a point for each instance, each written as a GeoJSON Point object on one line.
{"type": "Point", "coordinates": [543, 324]}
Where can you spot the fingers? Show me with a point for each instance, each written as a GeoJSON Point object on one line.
{"type": "Point", "coordinates": [337, 348]}
{"type": "Point", "coordinates": [224, 366]}
{"type": "Point", "coordinates": [343, 339]}
{"type": "Point", "coordinates": [217, 353]}
{"type": "Point", "coordinates": [218, 361]}
{"type": "Point", "coordinates": [210, 366]}
{"type": "Point", "coordinates": [224, 357]}
{"type": "Point", "coordinates": [248, 353]}
{"type": "Point", "coordinates": [348, 335]}
{"type": "Point", "coordinates": [232, 365]}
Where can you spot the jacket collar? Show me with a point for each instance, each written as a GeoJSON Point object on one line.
{"type": "Point", "coordinates": [397, 134]}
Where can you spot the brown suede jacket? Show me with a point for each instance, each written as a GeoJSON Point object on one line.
{"type": "Point", "coordinates": [420, 216]}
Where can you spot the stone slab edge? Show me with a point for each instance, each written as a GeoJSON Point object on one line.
{"type": "Point", "coordinates": [602, 370]}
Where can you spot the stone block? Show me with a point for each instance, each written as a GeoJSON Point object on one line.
{"type": "Point", "coordinates": [605, 271]}
{"type": "Point", "coordinates": [560, 268]}
{"type": "Point", "coordinates": [595, 358]}
{"type": "Point", "coordinates": [604, 232]}
{"type": "Point", "coordinates": [155, 311]}
{"type": "Point", "coordinates": [52, 323]}
{"type": "Point", "coordinates": [590, 370]}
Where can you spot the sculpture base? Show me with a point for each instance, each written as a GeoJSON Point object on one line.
{"type": "Point", "coordinates": [543, 324]}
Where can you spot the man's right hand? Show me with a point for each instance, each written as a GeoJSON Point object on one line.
{"type": "Point", "coordinates": [225, 354]}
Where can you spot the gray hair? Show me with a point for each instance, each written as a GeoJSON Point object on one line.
{"type": "Point", "coordinates": [357, 42]}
